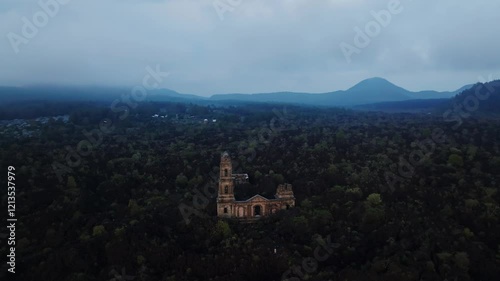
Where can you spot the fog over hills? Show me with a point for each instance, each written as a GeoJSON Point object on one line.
{"type": "Point", "coordinates": [373, 90]}
{"type": "Point", "coordinates": [479, 99]}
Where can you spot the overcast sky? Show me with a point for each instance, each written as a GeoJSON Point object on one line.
{"type": "Point", "coordinates": [259, 46]}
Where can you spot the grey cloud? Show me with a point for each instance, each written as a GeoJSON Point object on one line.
{"type": "Point", "coordinates": [261, 46]}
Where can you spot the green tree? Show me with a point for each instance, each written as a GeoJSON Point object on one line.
{"type": "Point", "coordinates": [257, 175]}
{"type": "Point", "coordinates": [456, 160]}
{"type": "Point", "coordinates": [181, 180]}
{"type": "Point", "coordinates": [373, 200]}
{"type": "Point", "coordinates": [278, 178]}
{"type": "Point", "coordinates": [374, 212]}
{"type": "Point", "coordinates": [221, 230]}
{"type": "Point", "coordinates": [98, 230]}
{"type": "Point", "coordinates": [134, 208]}
{"type": "Point", "coordinates": [195, 181]}
{"type": "Point", "coordinates": [340, 137]}
{"type": "Point", "coordinates": [71, 183]}
{"type": "Point", "coordinates": [461, 259]}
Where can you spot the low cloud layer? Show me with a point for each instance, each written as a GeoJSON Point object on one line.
{"type": "Point", "coordinates": [227, 46]}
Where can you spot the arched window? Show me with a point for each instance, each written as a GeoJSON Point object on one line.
{"type": "Point", "coordinates": [225, 210]}
{"type": "Point", "coordinates": [225, 173]}
{"type": "Point", "coordinates": [256, 210]}
{"type": "Point", "coordinates": [226, 189]}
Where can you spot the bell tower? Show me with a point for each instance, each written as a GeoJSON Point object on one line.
{"type": "Point", "coordinates": [226, 186]}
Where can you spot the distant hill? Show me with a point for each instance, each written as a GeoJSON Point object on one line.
{"type": "Point", "coordinates": [438, 95]}
{"type": "Point", "coordinates": [62, 93]}
{"type": "Point", "coordinates": [368, 91]}
{"type": "Point", "coordinates": [86, 93]}
{"type": "Point", "coordinates": [481, 99]}
{"type": "Point", "coordinates": [373, 90]}
{"type": "Point", "coordinates": [169, 95]}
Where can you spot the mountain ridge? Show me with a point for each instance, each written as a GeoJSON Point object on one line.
{"type": "Point", "coordinates": [371, 90]}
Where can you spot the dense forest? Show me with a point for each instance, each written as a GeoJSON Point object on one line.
{"type": "Point", "coordinates": [106, 195]}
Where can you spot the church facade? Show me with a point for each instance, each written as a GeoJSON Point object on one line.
{"type": "Point", "coordinates": [252, 208]}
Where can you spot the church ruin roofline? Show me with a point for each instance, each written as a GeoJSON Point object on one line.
{"type": "Point", "coordinates": [276, 197]}
{"type": "Point", "coordinates": [253, 197]}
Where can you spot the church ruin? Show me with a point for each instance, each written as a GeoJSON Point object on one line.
{"type": "Point", "coordinates": [254, 207]}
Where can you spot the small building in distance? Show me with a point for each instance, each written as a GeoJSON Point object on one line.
{"type": "Point", "coordinates": [254, 207]}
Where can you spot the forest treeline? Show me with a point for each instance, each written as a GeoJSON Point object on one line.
{"type": "Point", "coordinates": [116, 213]}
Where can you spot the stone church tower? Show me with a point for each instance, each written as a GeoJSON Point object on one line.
{"type": "Point", "coordinates": [225, 196]}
